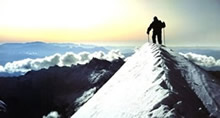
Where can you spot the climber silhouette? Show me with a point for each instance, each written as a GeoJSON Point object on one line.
{"type": "Point", "coordinates": [157, 26]}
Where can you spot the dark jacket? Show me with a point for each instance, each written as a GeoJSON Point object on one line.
{"type": "Point", "coordinates": [157, 26]}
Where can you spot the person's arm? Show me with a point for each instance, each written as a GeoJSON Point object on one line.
{"type": "Point", "coordinates": [149, 28]}
{"type": "Point", "coordinates": [163, 25]}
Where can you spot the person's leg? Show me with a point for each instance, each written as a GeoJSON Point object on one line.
{"type": "Point", "coordinates": [159, 38]}
{"type": "Point", "coordinates": [154, 38]}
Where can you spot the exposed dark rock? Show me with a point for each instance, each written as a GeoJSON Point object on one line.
{"type": "Point", "coordinates": [55, 89]}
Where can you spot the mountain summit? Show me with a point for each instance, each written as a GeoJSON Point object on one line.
{"type": "Point", "coordinates": [155, 82]}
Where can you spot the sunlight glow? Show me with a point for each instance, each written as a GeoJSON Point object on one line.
{"type": "Point", "coordinates": [59, 13]}
{"type": "Point", "coordinates": [69, 20]}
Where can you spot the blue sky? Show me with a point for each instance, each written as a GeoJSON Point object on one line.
{"type": "Point", "coordinates": [189, 22]}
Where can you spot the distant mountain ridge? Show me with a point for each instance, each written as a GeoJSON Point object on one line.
{"type": "Point", "coordinates": [18, 51]}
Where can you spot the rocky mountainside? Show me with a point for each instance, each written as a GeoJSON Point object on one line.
{"type": "Point", "coordinates": [61, 89]}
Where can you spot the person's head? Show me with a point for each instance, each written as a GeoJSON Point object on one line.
{"type": "Point", "coordinates": [155, 18]}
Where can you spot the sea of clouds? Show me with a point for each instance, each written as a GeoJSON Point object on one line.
{"type": "Point", "coordinates": [66, 59]}
{"type": "Point", "coordinates": [70, 58]}
{"type": "Point", "coordinates": [206, 62]}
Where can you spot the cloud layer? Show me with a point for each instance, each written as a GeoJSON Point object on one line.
{"type": "Point", "coordinates": [70, 58]}
{"type": "Point", "coordinates": [207, 62]}
{"type": "Point", "coordinates": [52, 114]}
{"type": "Point", "coordinates": [66, 59]}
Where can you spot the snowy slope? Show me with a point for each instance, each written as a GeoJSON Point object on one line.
{"type": "Point", "coordinates": [155, 82]}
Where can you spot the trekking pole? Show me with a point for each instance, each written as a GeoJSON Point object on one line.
{"type": "Point", "coordinates": [148, 38]}
{"type": "Point", "coordinates": [164, 36]}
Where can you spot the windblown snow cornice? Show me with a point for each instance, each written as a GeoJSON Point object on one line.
{"type": "Point", "coordinates": [155, 82]}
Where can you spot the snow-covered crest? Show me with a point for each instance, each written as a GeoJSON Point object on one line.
{"type": "Point", "coordinates": [155, 82]}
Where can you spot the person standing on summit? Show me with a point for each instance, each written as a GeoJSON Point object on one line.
{"type": "Point", "coordinates": [157, 26]}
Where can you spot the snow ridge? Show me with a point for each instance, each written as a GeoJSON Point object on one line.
{"type": "Point", "coordinates": [203, 85]}
{"type": "Point", "coordinates": [155, 82]}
